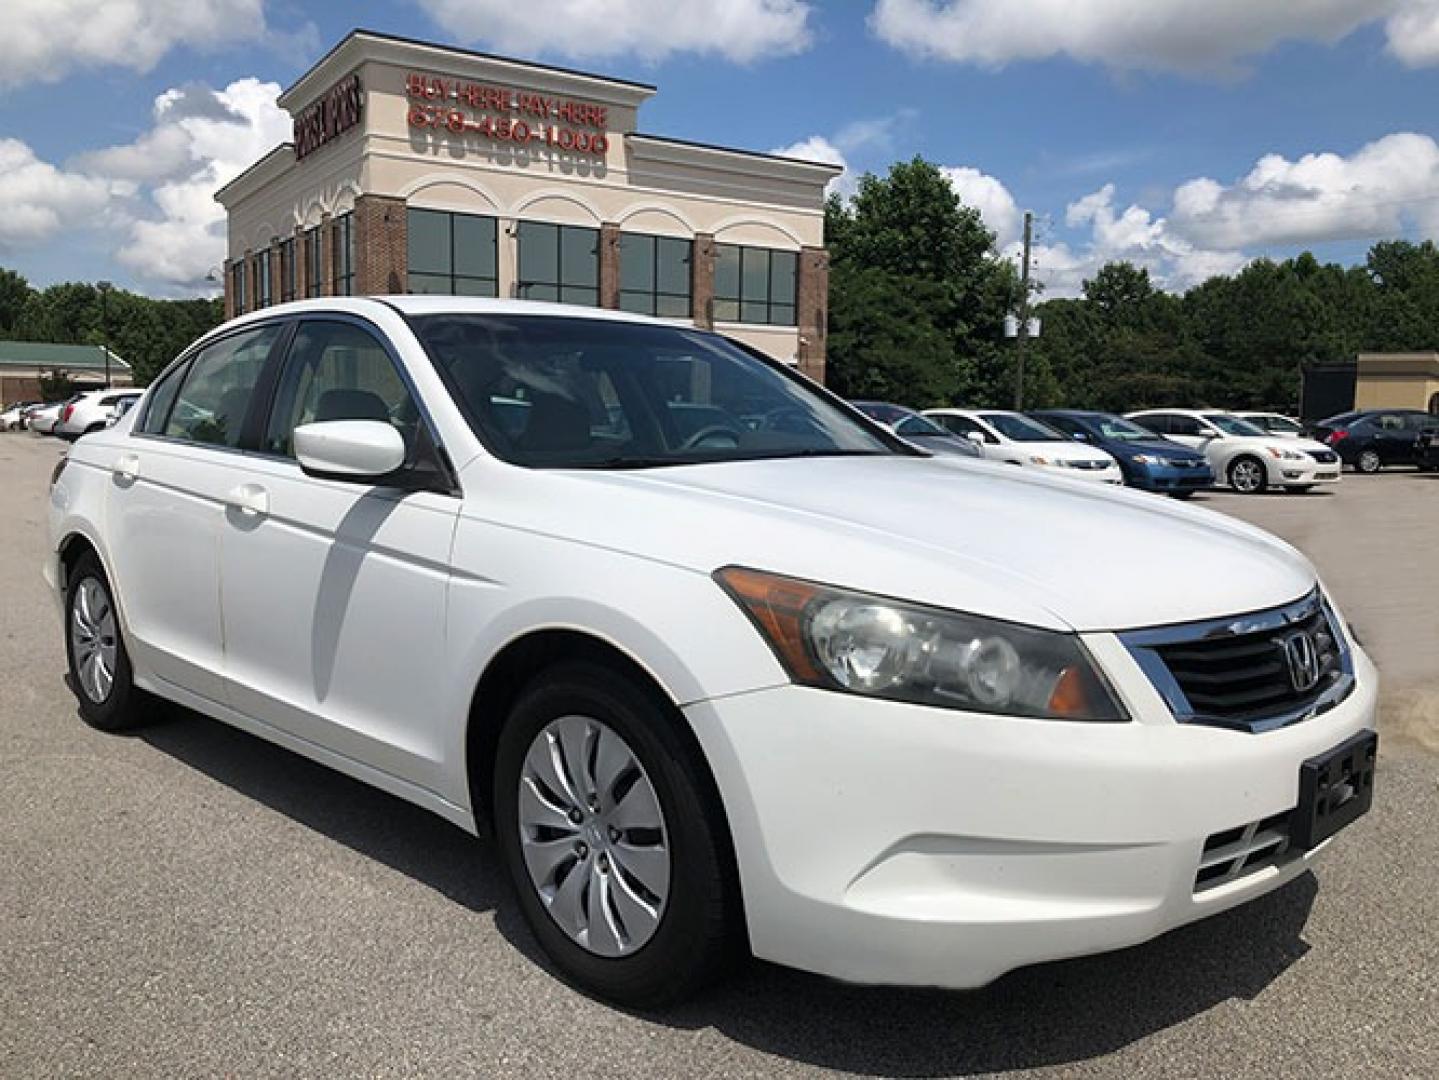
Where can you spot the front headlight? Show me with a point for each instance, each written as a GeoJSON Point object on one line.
{"type": "Point", "coordinates": [1148, 459]}
{"type": "Point", "coordinates": [1285, 455]}
{"type": "Point", "coordinates": [1041, 461]}
{"type": "Point", "coordinates": [857, 643]}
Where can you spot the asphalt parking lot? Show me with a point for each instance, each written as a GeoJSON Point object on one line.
{"type": "Point", "coordinates": [193, 901]}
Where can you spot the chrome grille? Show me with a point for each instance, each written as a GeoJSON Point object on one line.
{"type": "Point", "coordinates": [1324, 457]}
{"type": "Point", "coordinates": [1251, 672]}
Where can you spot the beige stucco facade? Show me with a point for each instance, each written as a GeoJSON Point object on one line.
{"type": "Point", "coordinates": [633, 182]}
{"type": "Point", "coordinates": [1397, 381]}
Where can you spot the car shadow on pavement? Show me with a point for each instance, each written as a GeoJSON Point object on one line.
{"type": "Point", "coordinates": [1050, 1014]}
{"type": "Point", "coordinates": [1047, 1015]}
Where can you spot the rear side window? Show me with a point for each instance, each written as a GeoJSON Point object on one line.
{"type": "Point", "coordinates": [338, 371]}
{"type": "Point", "coordinates": [1185, 425]}
{"type": "Point", "coordinates": [211, 405]}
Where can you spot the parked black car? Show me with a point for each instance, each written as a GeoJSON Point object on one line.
{"type": "Point", "coordinates": [1426, 450]}
{"type": "Point", "coordinates": [1369, 439]}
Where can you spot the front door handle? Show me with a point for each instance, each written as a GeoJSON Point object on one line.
{"type": "Point", "coordinates": [249, 499]}
{"type": "Point", "coordinates": [126, 467]}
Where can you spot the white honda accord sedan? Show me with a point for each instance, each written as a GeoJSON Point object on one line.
{"type": "Point", "coordinates": [726, 667]}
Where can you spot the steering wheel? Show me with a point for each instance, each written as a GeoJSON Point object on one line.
{"type": "Point", "coordinates": [789, 419]}
{"type": "Point", "coordinates": [706, 433]}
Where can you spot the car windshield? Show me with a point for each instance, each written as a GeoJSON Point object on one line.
{"type": "Point", "coordinates": [1121, 430]}
{"type": "Point", "coordinates": [1021, 428]}
{"type": "Point", "coordinates": [915, 426]}
{"type": "Point", "coordinates": [593, 393]}
{"type": "Point", "coordinates": [1279, 423]}
{"type": "Point", "coordinates": [1232, 425]}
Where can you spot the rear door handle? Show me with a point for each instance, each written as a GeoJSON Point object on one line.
{"type": "Point", "coordinates": [249, 499]}
{"type": "Point", "coordinates": [127, 466]}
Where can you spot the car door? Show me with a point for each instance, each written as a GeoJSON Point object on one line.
{"type": "Point", "coordinates": [165, 504]}
{"type": "Point", "coordinates": [1388, 436]}
{"type": "Point", "coordinates": [334, 592]}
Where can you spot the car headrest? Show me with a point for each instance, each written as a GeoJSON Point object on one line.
{"type": "Point", "coordinates": [351, 405]}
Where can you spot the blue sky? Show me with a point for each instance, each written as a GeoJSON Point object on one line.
{"type": "Point", "coordinates": [1187, 137]}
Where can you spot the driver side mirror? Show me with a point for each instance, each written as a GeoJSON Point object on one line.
{"type": "Point", "coordinates": [357, 451]}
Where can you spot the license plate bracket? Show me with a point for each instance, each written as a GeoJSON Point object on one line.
{"type": "Point", "coordinates": [1335, 788]}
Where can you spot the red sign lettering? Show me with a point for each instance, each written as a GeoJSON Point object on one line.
{"type": "Point", "coordinates": [505, 114]}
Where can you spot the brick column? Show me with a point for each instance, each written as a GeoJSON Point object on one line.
{"type": "Point", "coordinates": [326, 236]}
{"type": "Point", "coordinates": [813, 310]}
{"type": "Point", "coordinates": [609, 265]}
{"type": "Point", "coordinates": [382, 252]}
{"type": "Point", "coordinates": [275, 287]}
{"type": "Point", "coordinates": [249, 261]}
{"type": "Point", "coordinates": [229, 283]}
{"type": "Point", "coordinates": [702, 280]}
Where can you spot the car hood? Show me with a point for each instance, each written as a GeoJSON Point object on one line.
{"type": "Point", "coordinates": [1066, 450]}
{"type": "Point", "coordinates": [973, 536]}
{"type": "Point", "coordinates": [1155, 447]}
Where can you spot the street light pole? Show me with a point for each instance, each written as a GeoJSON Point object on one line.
{"type": "Point", "coordinates": [104, 287]}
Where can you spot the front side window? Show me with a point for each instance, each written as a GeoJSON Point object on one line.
{"type": "Point", "coordinates": [962, 425]}
{"type": "Point", "coordinates": [919, 426]}
{"type": "Point", "coordinates": [313, 262]}
{"type": "Point", "coordinates": [1066, 424]}
{"type": "Point", "coordinates": [211, 405]}
{"type": "Point", "coordinates": [343, 233]}
{"type": "Point", "coordinates": [162, 396]}
{"type": "Point", "coordinates": [1122, 430]}
{"type": "Point", "coordinates": [452, 254]}
{"type": "Point", "coordinates": [559, 262]}
{"type": "Point", "coordinates": [590, 393]}
{"type": "Point", "coordinates": [655, 275]}
{"type": "Point", "coordinates": [755, 285]}
{"type": "Point", "coordinates": [337, 371]}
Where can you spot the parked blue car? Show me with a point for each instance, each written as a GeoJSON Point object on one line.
{"type": "Point", "coordinates": [1149, 461]}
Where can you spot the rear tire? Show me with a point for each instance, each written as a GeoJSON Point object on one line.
{"type": "Point", "coordinates": [100, 674]}
{"type": "Point", "coordinates": [1247, 475]}
{"type": "Point", "coordinates": [1369, 462]}
{"type": "Point", "coordinates": [580, 829]}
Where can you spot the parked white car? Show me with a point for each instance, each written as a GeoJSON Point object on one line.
{"type": "Point", "coordinates": [13, 418]}
{"type": "Point", "coordinates": [43, 421]}
{"type": "Point", "coordinates": [1250, 460]}
{"type": "Point", "coordinates": [1016, 439]}
{"type": "Point", "coordinates": [91, 411]}
{"type": "Point", "coordinates": [777, 683]}
{"type": "Point", "coordinates": [1285, 427]}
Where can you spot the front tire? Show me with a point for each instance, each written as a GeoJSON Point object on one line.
{"type": "Point", "coordinates": [613, 838]}
{"type": "Point", "coordinates": [100, 674]}
{"type": "Point", "coordinates": [1247, 475]}
{"type": "Point", "coordinates": [1369, 462]}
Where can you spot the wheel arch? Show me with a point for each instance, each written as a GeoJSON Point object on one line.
{"type": "Point", "coordinates": [518, 662]}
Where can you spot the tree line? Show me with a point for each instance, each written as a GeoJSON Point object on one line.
{"type": "Point", "coordinates": [146, 333]}
{"type": "Point", "coordinates": [918, 296]}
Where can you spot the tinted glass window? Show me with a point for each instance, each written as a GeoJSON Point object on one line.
{"type": "Point", "coordinates": [212, 403]}
{"type": "Point", "coordinates": [559, 262]}
{"type": "Point", "coordinates": [655, 275]}
{"type": "Point", "coordinates": [1021, 428]}
{"type": "Point", "coordinates": [453, 254]}
{"type": "Point", "coordinates": [1232, 425]}
{"type": "Point", "coordinates": [1420, 421]}
{"type": "Point", "coordinates": [575, 393]}
{"type": "Point", "coordinates": [162, 396]}
{"type": "Point", "coordinates": [1065, 424]}
{"type": "Point", "coordinates": [755, 285]}
{"type": "Point", "coordinates": [960, 425]}
{"type": "Point", "coordinates": [337, 371]}
{"type": "Point", "coordinates": [918, 425]}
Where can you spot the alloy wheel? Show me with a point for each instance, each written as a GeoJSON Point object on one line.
{"type": "Point", "coordinates": [593, 836]}
{"type": "Point", "coordinates": [1247, 476]}
{"type": "Point", "coordinates": [93, 639]}
{"type": "Point", "coordinates": [1369, 461]}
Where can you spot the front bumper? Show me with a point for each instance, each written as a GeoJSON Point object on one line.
{"type": "Point", "coordinates": [1303, 473]}
{"type": "Point", "coordinates": [881, 842]}
{"type": "Point", "coordinates": [1166, 478]}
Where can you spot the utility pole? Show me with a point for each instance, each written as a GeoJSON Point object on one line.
{"type": "Point", "coordinates": [1023, 314]}
{"type": "Point", "coordinates": [104, 287]}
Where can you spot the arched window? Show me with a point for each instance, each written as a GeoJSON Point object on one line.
{"type": "Point", "coordinates": [1434, 404]}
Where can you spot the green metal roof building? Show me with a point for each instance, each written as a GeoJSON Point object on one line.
{"type": "Point", "coordinates": [24, 363]}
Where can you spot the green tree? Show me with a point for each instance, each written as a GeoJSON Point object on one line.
{"type": "Point", "coordinates": [917, 292]}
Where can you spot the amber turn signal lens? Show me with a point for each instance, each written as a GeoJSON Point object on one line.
{"type": "Point", "coordinates": [1071, 695]}
{"type": "Point", "coordinates": [777, 607]}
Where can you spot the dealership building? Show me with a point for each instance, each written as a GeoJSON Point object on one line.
{"type": "Point", "coordinates": [422, 168]}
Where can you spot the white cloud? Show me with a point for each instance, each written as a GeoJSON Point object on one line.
{"type": "Point", "coordinates": [201, 139]}
{"type": "Point", "coordinates": [818, 148]}
{"type": "Point", "coordinates": [1160, 35]}
{"type": "Point", "coordinates": [991, 198]}
{"type": "Point", "coordinates": [740, 30]}
{"type": "Point", "coordinates": [40, 200]}
{"type": "Point", "coordinates": [1373, 192]}
{"type": "Point", "coordinates": [866, 140]}
{"type": "Point", "coordinates": [46, 39]}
